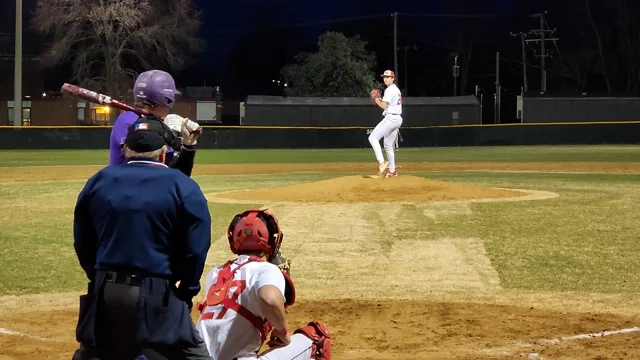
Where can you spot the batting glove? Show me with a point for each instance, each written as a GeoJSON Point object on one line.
{"type": "Point", "coordinates": [190, 132]}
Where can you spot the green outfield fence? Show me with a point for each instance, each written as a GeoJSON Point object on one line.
{"type": "Point", "coordinates": [269, 137]}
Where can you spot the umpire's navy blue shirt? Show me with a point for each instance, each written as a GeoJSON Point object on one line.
{"type": "Point", "coordinates": [142, 217]}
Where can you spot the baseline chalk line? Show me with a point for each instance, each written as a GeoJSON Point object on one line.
{"type": "Point", "coordinates": [508, 350]}
{"type": "Point", "coordinates": [592, 335]}
{"type": "Point", "coordinates": [4, 331]}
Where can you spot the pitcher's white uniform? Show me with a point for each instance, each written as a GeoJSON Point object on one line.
{"type": "Point", "coordinates": [227, 334]}
{"type": "Point", "coordinates": [388, 127]}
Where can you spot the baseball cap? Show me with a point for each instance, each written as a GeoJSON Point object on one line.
{"type": "Point", "coordinates": [147, 134]}
{"type": "Point", "coordinates": [388, 73]}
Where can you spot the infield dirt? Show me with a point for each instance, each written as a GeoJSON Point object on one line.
{"type": "Point", "coordinates": [362, 189]}
{"type": "Point", "coordinates": [381, 330]}
{"type": "Point", "coordinates": [375, 305]}
{"type": "Point", "coordinates": [44, 173]}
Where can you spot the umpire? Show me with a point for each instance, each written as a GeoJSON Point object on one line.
{"type": "Point", "coordinates": [139, 228]}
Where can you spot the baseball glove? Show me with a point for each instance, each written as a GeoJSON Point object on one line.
{"type": "Point", "coordinates": [282, 262]}
{"type": "Point", "coordinates": [375, 94]}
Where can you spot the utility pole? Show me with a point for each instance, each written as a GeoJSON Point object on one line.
{"type": "Point", "coordinates": [481, 98]}
{"type": "Point", "coordinates": [524, 58]}
{"type": "Point", "coordinates": [17, 67]}
{"type": "Point", "coordinates": [456, 73]}
{"type": "Point", "coordinates": [542, 32]}
{"type": "Point", "coordinates": [496, 115]}
{"type": "Point", "coordinates": [406, 69]}
{"type": "Point", "coordinates": [395, 43]}
{"type": "Point", "coordinates": [543, 56]}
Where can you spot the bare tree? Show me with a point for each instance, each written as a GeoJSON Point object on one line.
{"type": "Point", "coordinates": [615, 35]}
{"type": "Point", "coordinates": [593, 25]}
{"type": "Point", "coordinates": [626, 54]}
{"type": "Point", "coordinates": [105, 41]}
{"type": "Point", "coordinates": [574, 67]}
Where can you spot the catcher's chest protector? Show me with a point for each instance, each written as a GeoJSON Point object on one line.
{"type": "Point", "coordinates": [218, 295]}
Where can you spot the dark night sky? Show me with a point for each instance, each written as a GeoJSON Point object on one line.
{"type": "Point", "coordinates": [225, 23]}
{"type": "Point", "coordinates": [247, 42]}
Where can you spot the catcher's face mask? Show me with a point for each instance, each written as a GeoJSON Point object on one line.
{"type": "Point", "coordinates": [255, 230]}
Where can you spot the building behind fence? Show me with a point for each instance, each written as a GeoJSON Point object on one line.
{"type": "Point", "coordinates": [294, 122]}
{"type": "Point", "coordinates": [571, 108]}
{"type": "Point", "coordinates": [350, 111]}
{"type": "Point", "coordinates": [71, 112]}
{"type": "Point", "coordinates": [260, 111]}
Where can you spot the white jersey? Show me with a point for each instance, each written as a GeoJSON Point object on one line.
{"type": "Point", "coordinates": [393, 97]}
{"type": "Point", "coordinates": [231, 335]}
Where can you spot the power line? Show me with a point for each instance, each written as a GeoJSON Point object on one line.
{"type": "Point", "coordinates": [555, 43]}
{"type": "Point", "coordinates": [459, 49]}
{"type": "Point", "coordinates": [436, 44]}
{"type": "Point", "coordinates": [406, 67]}
{"type": "Point", "coordinates": [523, 45]}
{"type": "Point", "coordinates": [492, 16]}
{"type": "Point", "coordinates": [297, 24]}
{"type": "Point", "coordinates": [395, 43]}
{"type": "Point", "coordinates": [359, 18]}
{"type": "Point", "coordinates": [261, 46]}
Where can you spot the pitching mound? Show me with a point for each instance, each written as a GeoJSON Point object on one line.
{"type": "Point", "coordinates": [352, 189]}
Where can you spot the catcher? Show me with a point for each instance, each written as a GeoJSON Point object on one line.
{"type": "Point", "coordinates": [246, 298]}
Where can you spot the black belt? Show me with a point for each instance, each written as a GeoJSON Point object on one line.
{"type": "Point", "coordinates": [123, 278]}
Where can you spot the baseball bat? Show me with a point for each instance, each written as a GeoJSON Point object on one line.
{"type": "Point", "coordinates": [98, 98]}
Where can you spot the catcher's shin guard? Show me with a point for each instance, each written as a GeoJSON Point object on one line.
{"type": "Point", "coordinates": [319, 334]}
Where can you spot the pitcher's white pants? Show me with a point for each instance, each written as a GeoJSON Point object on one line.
{"type": "Point", "coordinates": [298, 349]}
{"type": "Point", "coordinates": [387, 129]}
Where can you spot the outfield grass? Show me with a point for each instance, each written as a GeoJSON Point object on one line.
{"type": "Point", "coordinates": [584, 240]}
{"type": "Point", "coordinates": [457, 154]}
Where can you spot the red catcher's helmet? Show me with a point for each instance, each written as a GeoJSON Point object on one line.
{"type": "Point", "coordinates": [255, 230]}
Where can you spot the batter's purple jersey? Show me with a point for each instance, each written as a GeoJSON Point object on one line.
{"type": "Point", "coordinates": [118, 133]}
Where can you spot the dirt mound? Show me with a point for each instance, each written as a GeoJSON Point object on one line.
{"type": "Point", "coordinates": [351, 189]}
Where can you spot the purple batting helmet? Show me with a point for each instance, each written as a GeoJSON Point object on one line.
{"type": "Point", "coordinates": [155, 87]}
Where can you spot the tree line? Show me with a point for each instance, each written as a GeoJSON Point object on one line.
{"type": "Point", "coordinates": [107, 43]}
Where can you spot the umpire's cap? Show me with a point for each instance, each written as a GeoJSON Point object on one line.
{"type": "Point", "coordinates": [149, 134]}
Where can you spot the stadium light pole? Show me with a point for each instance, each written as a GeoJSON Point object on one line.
{"type": "Point", "coordinates": [17, 58]}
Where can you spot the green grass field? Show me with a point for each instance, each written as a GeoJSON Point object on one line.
{"type": "Point", "coordinates": [585, 240]}
{"type": "Point", "coordinates": [474, 154]}
{"type": "Point", "coordinates": [437, 279]}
